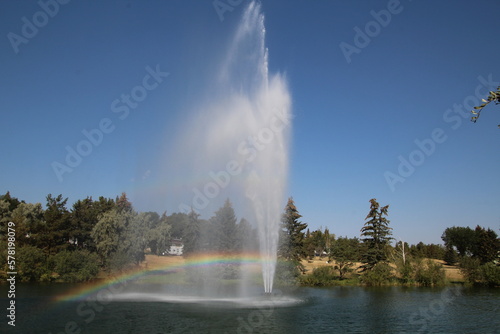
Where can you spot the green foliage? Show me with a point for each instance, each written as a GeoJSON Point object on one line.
{"type": "Point", "coordinates": [84, 216]}
{"type": "Point", "coordinates": [476, 274]}
{"type": "Point", "coordinates": [470, 269]}
{"type": "Point", "coordinates": [178, 221]}
{"type": "Point", "coordinates": [451, 256]}
{"type": "Point", "coordinates": [380, 274]}
{"type": "Point", "coordinates": [429, 273]}
{"type": "Point", "coordinates": [192, 234]}
{"type": "Point", "coordinates": [224, 229]}
{"type": "Point", "coordinates": [490, 274]}
{"type": "Point", "coordinates": [123, 205]}
{"type": "Point", "coordinates": [5, 215]}
{"type": "Point", "coordinates": [31, 227]}
{"type": "Point", "coordinates": [321, 276]}
{"type": "Point", "coordinates": [318, 243]}
{"type": "Point", "coordinates": [13, 202]}
{"type": "Point", "coordinates": [76, 266]}
{"type": "Point", "coordinates": [159, 238]}
{"type": "Point", "coordinates": [31, 264]}
{"type": "Point", "coordinates": [430, 251]}
{"type": "Point", "coordinates": [58, 228]}
{"type": "Point", "coordinates": [480, 243]}
{"type": "Point", "coordinates": [287, 272]}
{"type": "Point", "coordinates": [487, 246]}
{"type": "Point", "coordinates": [462, 238]}
{"type": "Point", "coordinates": [246, 237]}
{"type": "Point", "coordinates": [345, 252]}
{"type": "Point", "coordinates": [291, 243]}
{"type": "Point", "coordinates": [108, 233]}
{"type": "Point", "coordinates": [492, 97]}
{"type": "Point", "coordinates": [376, 236]}
{"type": "Point", "coordinates": [120, 237]}
{"type": "Point", "coordinates": [406, 272]}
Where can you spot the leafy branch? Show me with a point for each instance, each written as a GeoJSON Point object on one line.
{"type": "Point", "coordinates": [492, 97]}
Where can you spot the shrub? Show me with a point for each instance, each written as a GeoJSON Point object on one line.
{"type": "Point", "coordinates": [430, 273]}
{"type": "Point", "coordinates": [490, 274]}
{"type": "Point", "coordinates": [406, 272]}
{"type": "Point", "coordinates": [381, 274]}
{"type": "Point", "coordinates": [487, 274]}
{"type": "Point", "coordinates": [31, 264]}
{"type": "Point", "coordinates": [76, 266]}
{"type": "Point", "coordinates": [450, 256]}
{"type": "Point", "coordinates": [321, 276]}
{"type": "Point", "coordinates": [470, 269]}
{"type": "Point", "coordinates": [287, 273]}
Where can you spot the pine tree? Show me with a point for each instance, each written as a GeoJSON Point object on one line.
{"type": "Point", "coordinates": [487, 245]}
{"type": "Point", "coordinates": [224, 228]}
{"type": "Point", "coordinates": [375, 235]}
{"type": "Point", "coordinates": [292, 236]}
{"type": "Point", "coordinates": [192, 233]}
{"type": "Point", "coordinates": [123, 204]}
{"type": "Point", "coordinates": [58, 222]}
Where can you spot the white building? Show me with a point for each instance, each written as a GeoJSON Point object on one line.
{"type": "Point", "coordinates": [176, 248]}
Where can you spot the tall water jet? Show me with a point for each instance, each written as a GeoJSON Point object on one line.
{"type": "Point", "coordinates": [268, 126]}
{"type": "Point", "coordinates": [245, 124]}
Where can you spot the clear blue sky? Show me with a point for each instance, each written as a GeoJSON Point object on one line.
{"type": "Point", "coordinates": [352, 120]}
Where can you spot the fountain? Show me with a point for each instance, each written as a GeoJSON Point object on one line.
{"type": "Point", "coordinates": [237, 146]}
{"type": "Point", "coordinates": [245, 123]}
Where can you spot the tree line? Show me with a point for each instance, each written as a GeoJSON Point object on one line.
{"type": "Point", "coordinates": [376, 258]}
{"type": "Point", "coordinates": [57, 243]}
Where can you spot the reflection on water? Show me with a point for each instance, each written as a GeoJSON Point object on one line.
{"type": "Point", "coordinates": [240, 302]}
{"type": "Point", "coordinates": [169, 309]}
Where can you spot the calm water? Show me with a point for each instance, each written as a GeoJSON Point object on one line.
{"type": "Point", "coordinates": [302, 310]}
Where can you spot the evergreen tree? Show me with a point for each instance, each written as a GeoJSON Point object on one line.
{"type": "Point", "coordinates": [84, 216]}
{"type": "Point", "coordinates": [13, 201]}
{"type": "Point", "coordinates": [487, 247]}
{"type": "Point", "coordinates": [345, 252]}
{"type": "Point", "coordinates": [328, 240]}
{"type": "Point", "coordinates": [224, 228]}
{"type": "Point", "coordinates": [59, 227]}
{"type": "Point", "coordinates": [123, 204]}
{"type": "Point", "coordinates": [178, 221]}
{"type": "Point", "coordinates": [450, 256]}
{"type": "Point", "coordinates": [375, 236]}
{"type": "Point", "coordinates": [245, 236]}
{"type": "Point", "coordinates": [192, 234]}
{"type": "Point", "coordinates": [291, 246]}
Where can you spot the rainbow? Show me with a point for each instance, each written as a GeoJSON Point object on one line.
{"type": "Point", "coordinates": [202, 260]}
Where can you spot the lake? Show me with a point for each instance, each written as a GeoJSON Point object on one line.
{"type": "Point", "coordinates": [168, 309]}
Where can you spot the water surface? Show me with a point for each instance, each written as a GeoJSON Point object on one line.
{"type": "Point", "coordinates": [300, 310]}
